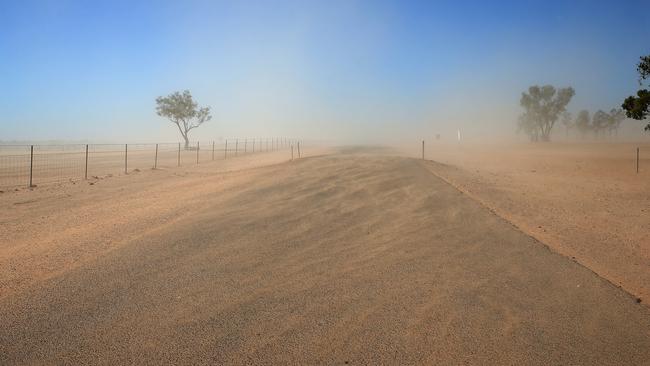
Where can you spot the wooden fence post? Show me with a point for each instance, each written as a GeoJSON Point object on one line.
{"type": "Point", "coordinates": [422, 149]}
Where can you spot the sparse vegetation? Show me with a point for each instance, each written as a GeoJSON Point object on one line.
{"type": "Point", "coordinates": [543, 106]}
{"type": "Point", "coordinates": [183, 111]}
{"type": "Point", "coordinates": [583, 123]}
{"type": "Point", "coordinates": [567, 122]}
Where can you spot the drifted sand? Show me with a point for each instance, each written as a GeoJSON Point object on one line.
{"type": "Point", "coordinates": [584, 200]}
{"type": "Point", "coordinates": [347, 258]}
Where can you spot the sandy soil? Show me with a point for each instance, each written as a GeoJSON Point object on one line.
{"type": "Point", "coordinates": [349, 258]}
{"type": "Point", "coordinates": [584, 200]}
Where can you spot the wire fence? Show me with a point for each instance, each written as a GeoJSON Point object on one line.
{"type": "Point", "coordinates": [31, 165]}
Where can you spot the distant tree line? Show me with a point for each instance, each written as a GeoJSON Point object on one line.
{"type": "Point", "coordinates": [600, 124]}
{"type": "Point", "coordinates": [545, 105]}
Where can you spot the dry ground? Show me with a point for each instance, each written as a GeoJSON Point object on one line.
{"type": "Point", "coordinates": [347, 258]}
{"type": "Point", "coordinates": [584, 200]}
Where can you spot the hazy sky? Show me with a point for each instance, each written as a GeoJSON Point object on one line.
{"type": "Point", "coordinates": [337, 70]}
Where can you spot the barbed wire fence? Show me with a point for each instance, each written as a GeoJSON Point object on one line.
{"type": "Point", "coordinates": [30, 165]}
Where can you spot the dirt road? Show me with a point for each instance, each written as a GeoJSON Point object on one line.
{"type": "Point", "coordinates": [342, 259]}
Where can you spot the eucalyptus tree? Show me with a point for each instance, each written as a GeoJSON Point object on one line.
{"type": "Point", "coordinates": [183, 111]}
{"type": "Point", "coordinates": [543, 106]}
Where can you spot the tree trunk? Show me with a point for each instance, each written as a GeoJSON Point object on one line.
{"type": "Point", "coordinates": [187, 142]}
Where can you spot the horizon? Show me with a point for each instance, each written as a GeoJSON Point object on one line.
{"type": "Point", "coordinates": [343, 71]}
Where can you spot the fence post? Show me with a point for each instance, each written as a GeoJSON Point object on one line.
{"type": "Point", "coordinates": [253, 146]}
{"type": "Point", "coordinates": [422, 149]}
{"type": "Point", "coordinates": [86, 169]}
{"type": "Point", "coordinates": [126, 158]}
{"type": "Point", "coordinates": [225, 150]}
{"type": "Point", "coordinates": [155, 159]}
{"type": "Point", "coordinates": [298, 149]}
{"type": "Point", "coordinates": [292, 152]}
{"type": "Point", "coordinates": [637, 160]}
{"type": "Point", "coordinates": [31, 165]}
{"type": "Point", "coordinates": [179, 154]}
{"type": "Point", "coordinates": [236, 146]}
{"type": "Point", "coordinates": [198, 147]}
{"type": "Point", "coordinates": [213, 150]}
{"type": "Point", "coordinates": [245, 145]}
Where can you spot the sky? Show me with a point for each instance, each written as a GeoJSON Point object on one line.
{"type": "Point", "coordinates": [331, 70]}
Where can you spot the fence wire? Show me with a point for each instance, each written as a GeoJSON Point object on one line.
{"type": "Point", "coordinates": [30, 165]}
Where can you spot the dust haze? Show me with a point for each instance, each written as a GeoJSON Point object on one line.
{"type": "Point", "coordinates": [325, 183]}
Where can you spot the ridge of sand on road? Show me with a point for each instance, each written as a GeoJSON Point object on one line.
{"type": "Point", "coordinates": [344, 258]}
{"type": "Point", "coordinates": [584, 200]}
{"type": "Point", "coordinates": [54, 228]}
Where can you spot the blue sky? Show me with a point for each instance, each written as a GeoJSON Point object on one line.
{"type": "Point", "coordinates": [341, 70]}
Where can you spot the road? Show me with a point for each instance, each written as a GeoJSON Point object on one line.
{"type": "Point", "coordinates": [351, 258]}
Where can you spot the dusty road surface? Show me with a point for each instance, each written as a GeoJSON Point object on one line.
{"type": "Point", "coordinates": [585, 200]}
{"type": "Point", "coordinates": [349, 258]}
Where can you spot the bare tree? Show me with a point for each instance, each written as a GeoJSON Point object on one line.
{"type": "Point", "coordinates": [183, 111]}
{"type": "Point", "coordinates": [543, 107]}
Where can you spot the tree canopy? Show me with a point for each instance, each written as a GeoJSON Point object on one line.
{"type": "Point", "coordinates": [543, 106]}
{"type": "Point", "coordinates": [183, 111]}
{"type": "Point", "coordinates": [638, 106]}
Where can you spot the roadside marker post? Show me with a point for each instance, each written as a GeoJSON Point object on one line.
{"type": "Point", "coordinates": [637, 160]}
{"type": "Point", "coordinates": [31, 166]}
{"type": "Point", "coordinates": [126, 158]}
{"type": "Point", "coordinates": [86, 169]}
{"type": "Point", "coordinates": [155, 160]}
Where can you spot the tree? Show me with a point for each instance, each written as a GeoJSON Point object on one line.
{"type": "Point", "coordinates": [183, 111]}
{"type": "Point", "coordinates": [600, 122]}
{"type": "Point", "coordinates": [567, 121]}
{"type": "Point", "coordinates": [583, 122]}
{"type": "Point", "coordinates": [616, 116]}
{"type": "Point", "coordinates": [638, 107]}
{"type": "Point", "coordinates": [543, 107]}
{"type": "Point", "coordinates": [528, 126]}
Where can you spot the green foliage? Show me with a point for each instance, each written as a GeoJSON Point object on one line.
{"type": "Point", "coordinates": [543, 106]}
{"type": "Point", "coordinates": [638, 106]}
{"type": "Point", "coordinates": [183, 111]}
